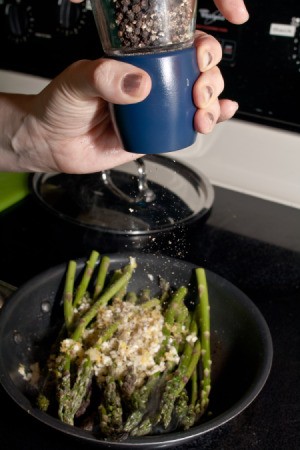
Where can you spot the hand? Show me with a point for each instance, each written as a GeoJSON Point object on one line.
{"type": "Point", "coordinates": [233, 10]}
{"type": "Point", "coordinates": [67, 127]}
{"type": "Point", "coordinates": [210, 83]}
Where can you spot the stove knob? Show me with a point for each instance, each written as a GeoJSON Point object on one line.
{"type": "Point", "coordinates": [70, 17]}
{"type": "Point", "coordinates": [19, 20]}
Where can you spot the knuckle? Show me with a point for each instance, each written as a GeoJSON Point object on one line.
{"type": "Point", "coordinates": [102, 73]}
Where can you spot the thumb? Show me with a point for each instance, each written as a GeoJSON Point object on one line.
{"type": "Point", "coordinates": [114, 81]}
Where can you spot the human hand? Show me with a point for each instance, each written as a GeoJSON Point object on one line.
{"type": "Point", "coordinates": [210, 109]}
{"type": "Point", "coordinates": [67, 127]}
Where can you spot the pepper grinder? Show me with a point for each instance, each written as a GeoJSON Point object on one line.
{"type": "Point", "coordinates": [157, 36]}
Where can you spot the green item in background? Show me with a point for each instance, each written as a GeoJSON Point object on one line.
{"type": "Point", "coordinates": [13, 188]}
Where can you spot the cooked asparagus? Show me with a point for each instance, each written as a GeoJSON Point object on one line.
{"type": "Point", "coordinates": [86, 277]}
{"type": "Point", "coordinates": [142, 382]}
{"type": "Point", "coordinates": [68, 294]}
{"type": "Point", "coordinates": [102, 274]}
{"type": "Point", "coordinates": [71, 399]}
{"type": "Point", "coordinates": [203, 313]}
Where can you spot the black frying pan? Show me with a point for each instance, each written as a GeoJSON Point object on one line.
{"type": "Point", "coordinates": [241, 344]}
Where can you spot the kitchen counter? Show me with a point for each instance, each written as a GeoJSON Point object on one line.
{"type": "Point", "coordinates": [253, 243]}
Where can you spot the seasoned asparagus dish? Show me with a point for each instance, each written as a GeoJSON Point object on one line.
{"type": "Point", "coordinates": [128, 363]}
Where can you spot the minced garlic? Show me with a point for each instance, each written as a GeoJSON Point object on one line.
{"type": "Point", "coordinates": [132, 348]}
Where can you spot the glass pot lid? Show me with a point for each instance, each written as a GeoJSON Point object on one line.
{"type": "Point", "coordinates": [152, 194]}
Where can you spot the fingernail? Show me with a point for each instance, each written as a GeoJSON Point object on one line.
{"type": "Point", "coordinates": [131, 83]}
{"type": "Point", "coordinates": [235, 107]}
{"type": "Point", "coordinates": [207, 94]}
{"type": "Point", "coordinates": [244, 12]}
{"type": "Point", "coordinates": [207, 59]}
{"type": "Point", "coordinates": [210, 119]}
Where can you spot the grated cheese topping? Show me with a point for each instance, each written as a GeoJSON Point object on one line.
{"type": "Point", "coordinates": [133, 347]}
{"type": "Point", "coordinates": [31, 374]}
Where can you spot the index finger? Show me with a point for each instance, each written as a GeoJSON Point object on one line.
{"type": "Point", "coordinates": [234, 11]}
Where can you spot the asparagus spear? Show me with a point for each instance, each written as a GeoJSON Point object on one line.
{"type": "Point", "coordinates": [108, 334]}
{"type": "Point", "coordinates": [181, 406]}
{"type": "Point", "coordinates": [144, 296]}
{"type": "Point", "coordinates": [175, 313]}
{"type": "Point", "coordinates": [151, 303]}
{"type": "Point", "coordinates": [139, 402]}
{"type": "Point", "coordinates": [165, 289]}
{"type": "Point", "coordinates": [119, 296]}
{"type": "Point", "coordinates": [185, 407]}
{"type": "Point", "coordinates": [203, 317]}
{"type": "Point", "coordinates": [68, 294]}
{"type": "Point", "coordinates": [189, 418]}
{"type": "Point", "coordinates": [188, 362]}
{"type": "Point", "coordinates": [111, 411]}
{"type": "Point", "coordinates": [64, 384]}
{"type": "Point", "coordinates": [71, 399]}
{"type": "Point", "coordinates": [104, 299]}
{"type": "Point", "coordinates": [174, 308]}
{"type": "Point", "coordinates": [102, 273]}
{"type": "Point", "coordinates": [144, 427]}
{"type": "Point", "coordinates": [175, 305]}
{"type": "Point", "coordinates": [131, 297]}
{"type": "Point", "coordinates": [86, 277]}
{"type": "Point", "coordinates": [194, 387]}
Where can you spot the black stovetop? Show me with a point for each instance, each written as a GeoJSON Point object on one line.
{"type": "Point", "coordinates": [253, 243]}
